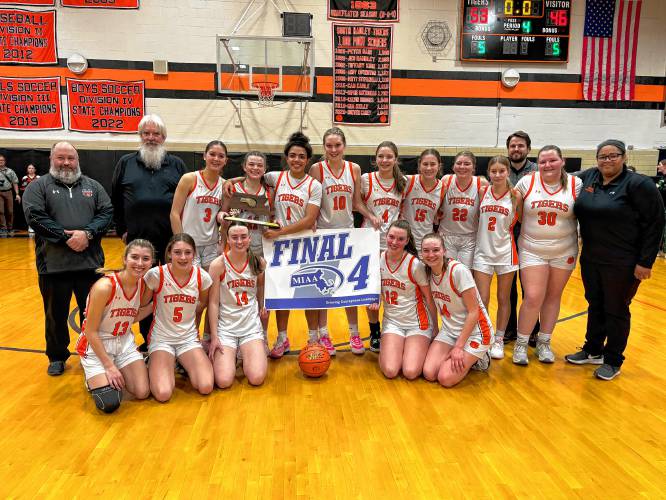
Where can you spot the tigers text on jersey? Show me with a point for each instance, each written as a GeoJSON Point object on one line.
{"type": "Point", "coordinates": [175, 304]}
{"type": "Point", "coordinates": [337, 196]}
{"type": "Point", "coordinates": [404, 304]}
{"type": "Point", "coordinates": [239, 309]}
{"type": "Point", "coordinates": [495, 243]}
{"type": "Point", "coordinates": [292, 196]}
{"type": "Point", "coordinates": [447, 292]}
{"type": "Point", "coordinates": [549, 227]}
{"type": "Point", "coordinates": [200, 210]}
{"type": "Point", "coordinates": [420, 206]}
{"type": "Point", "coordinates": [255, 230]}
{"type": "Point", "coordinates": [382, 200]}
{"type": "Point", "coordinates": [461, 207]}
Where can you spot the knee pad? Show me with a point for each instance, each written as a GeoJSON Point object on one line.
{"type": "Point", "coordinates": [107, 399]}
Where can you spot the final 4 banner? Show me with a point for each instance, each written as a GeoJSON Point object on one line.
{"type": "Point", "coordinates": [325, 269]}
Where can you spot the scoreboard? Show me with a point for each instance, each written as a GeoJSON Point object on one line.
{"type": "Point", "coordinates": [515, 30]}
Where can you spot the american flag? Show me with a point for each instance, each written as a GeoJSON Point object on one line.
{"type": "Point", "coordinates": [609, 49]}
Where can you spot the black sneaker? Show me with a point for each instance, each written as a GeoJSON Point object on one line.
{"type": "Point", "coordinates": [532, 342]}
{"type": "Point", "coordinates": [607, 372]}
{"type": "Point", "coordinates": [56, 368]}
{"type": "Point", "coordinates": [374, 342]}
{"type": "Point", "coordinates": [583, 358]}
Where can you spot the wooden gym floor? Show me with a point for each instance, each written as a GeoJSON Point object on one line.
{"type": "Point", "coordinates": [541, 431]}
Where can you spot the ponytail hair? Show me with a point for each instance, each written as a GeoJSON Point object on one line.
{"type": "Point", "coordinates": [185, 238]}
{"type": "Point", "coordinates": [335, 131]}
{"type": "Point", "coordinates": [410, 247]}
{"type": "Point", "coordinates": [301, 140]}
{"type": "Point", "coordinates": [558, 151]}
{"type": "Point", "coordinates": [256, 263]}
{"type": "Point", "coordinates": [399, 179]}
{"type": "Point", "coordinates": [137, 243]}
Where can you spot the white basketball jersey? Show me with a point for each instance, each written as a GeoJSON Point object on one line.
{"type": "Point", "coordinates": [447, 292]}
{"type": "Point", "coordinates": [239, 310]}
{"type": "Point", "coordinates": [255, 230]}
{"type": "Point", "coordinates": [201, 207]}
{"type": "Point", "coordinates": [382, 200]}
{"type": "Point", "coordinates": [420, 206]}
{"type": "Point", "coordinates": [549, 226]}
{"type": "Point", "coordinates": [175, 304]}
{"type": "Point", "coordinates": [460, 207]}
{"type": "Point", "coordinates": [404, 304]}
{"type": "Point", "coordinates": [292, 196]}
{"type": "Point", "coordinates": [495, 244]}
{"type": "Point", "coordinates": [337, 197]}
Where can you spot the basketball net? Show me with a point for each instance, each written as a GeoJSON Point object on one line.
{"type": "Point", "coordinates": [265, 92]}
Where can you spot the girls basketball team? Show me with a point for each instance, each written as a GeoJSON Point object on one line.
{"type": "Point", "coordinates": [423, 273]}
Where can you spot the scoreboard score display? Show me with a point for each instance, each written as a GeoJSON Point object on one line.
{"type": "Point", "coordinates": [515, 30]}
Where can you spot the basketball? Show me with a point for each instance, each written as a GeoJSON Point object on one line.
{"type": "Point", "coordinates": [314, 360]}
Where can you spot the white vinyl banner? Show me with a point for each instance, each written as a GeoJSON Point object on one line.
{"type": "Point", "coordinates": [324, 269]}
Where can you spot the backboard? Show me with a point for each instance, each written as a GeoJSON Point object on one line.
{"type": "Point", "coordinates": [245, 62]}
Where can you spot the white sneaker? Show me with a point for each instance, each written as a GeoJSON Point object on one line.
{"type": "Point", "coordinates": [520, 354]}
{"type": "Point", "coordinates": [544, 352]}
{"type": "Point", "coordinates": [482, 364]}
{"type": "Point", "coordinates": [497, 349]}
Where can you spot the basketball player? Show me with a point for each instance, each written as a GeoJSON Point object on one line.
{"type": "Point", "coordinates": [106, 347]}
{"type": "Point", "coordinates": [495, 251]}
{"type": "Point", "coordinates": [407, 324]}
{"type": "Point", "coordinates": [460, 210]}
{"type": "Point", "coordinates": [235, 306]}
{"type": "Point", "coordinates": [180, 293]}
{"type": "Point", "coordinates": [467, 333]}
{"type": "Point", "coordinates": [548, 246]}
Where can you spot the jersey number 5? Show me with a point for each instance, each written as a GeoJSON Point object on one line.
{"type": "Point", "coordinates": [177, 314]}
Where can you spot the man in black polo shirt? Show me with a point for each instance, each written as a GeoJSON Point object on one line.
{"type": "Point", "coordinates": [142, 192]}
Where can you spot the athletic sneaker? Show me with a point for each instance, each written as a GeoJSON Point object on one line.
{"type": "Point", "coordinates": [56, 368]}
{"type": "Point", "coordinates": [483, 363]}
{"type": "Point", "coordinates": [325, 340]}
{"type": "Point", "coordinates": [520, 354]}
{"type": "Point", "coordinates": [583, 358]}
{"type": "Point", "coordinates": [497, 349]}
{"type": "Point", "coordinates": [544, 352]}
{"type": "Point", "coordinates": [607, 372]}
{"type": "Point", "coordinates": [280, 349]}
{"type": "Point", "coordinates": [375, 341]}
{"type": "Point", "coordinates": [356, 344]}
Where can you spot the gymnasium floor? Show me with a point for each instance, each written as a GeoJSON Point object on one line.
{"type": "Point", "coordinates": [548, 431]}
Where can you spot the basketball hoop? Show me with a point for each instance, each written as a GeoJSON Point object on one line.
{"type": "Point", "coordinates": [266, 92]}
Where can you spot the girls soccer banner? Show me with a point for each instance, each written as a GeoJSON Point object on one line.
{"type": "Point", "coordinates": [28, 37]}
{"type": "Point", "coordinates": [36, 3]}
{"type": "Point", "coordinates": [30, 103]}
{"type": "Point", "coordinates": [105, 105]}
{"type": "Point", "coordinates": [363, 10]}
{"type": "Point", "coordinates": [322, 270]}
{"type": "Point", "coordinates": [102, 4]}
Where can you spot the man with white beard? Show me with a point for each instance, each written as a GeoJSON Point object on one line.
{"type": "Point", "coordinates": [70, 213]}
{"type": "Point", "coordinates": [142, 192]}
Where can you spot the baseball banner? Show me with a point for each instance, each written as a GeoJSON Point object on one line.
{"type": "Point", "coordinates": [102, 4]}
{"type": "Point", "coordinates": [325, 269]}
{"type": "Point", "coordinates": [28, 37]}
{"type": "Point", "coordinates": [30, 103]}
{"type": "Point", "coordinates": [48, 3]}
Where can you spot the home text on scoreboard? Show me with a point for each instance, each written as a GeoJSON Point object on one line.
{"type": "Point", "coordinates": [515, 30]}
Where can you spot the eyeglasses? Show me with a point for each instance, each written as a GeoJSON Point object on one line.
{"type": "Point", "coordinates": [611, 157]}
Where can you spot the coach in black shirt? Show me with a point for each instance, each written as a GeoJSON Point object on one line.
{"type": "Point", "coordinates": [621, 219]}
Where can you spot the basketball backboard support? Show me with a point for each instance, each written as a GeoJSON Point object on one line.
{"type": "Point", "coordinates": [245, 62]}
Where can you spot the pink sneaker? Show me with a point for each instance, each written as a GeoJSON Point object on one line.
{"type": "Point", "coordinates": [325, 340]}
{"type": "Point", "coordinates": [279, 349]}
{"type": "Point", "coordinates": [356, 344]}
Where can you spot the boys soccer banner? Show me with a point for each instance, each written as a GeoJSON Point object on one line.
{"type": "Point", "coordinates": [105, 105]}
{"type": "Point", "coordinates": [28, 37]}
{"type": "Point", "coordinates": [30, 103]}
{"type": "Point", "coordinates": [321, 270]}
{"type": "Point", "coordinates": [102, 4]}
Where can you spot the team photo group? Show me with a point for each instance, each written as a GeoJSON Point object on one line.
{"type": "Point", "coordinates": [198, 245]}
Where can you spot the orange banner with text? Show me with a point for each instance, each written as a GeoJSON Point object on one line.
{"type": "Point", "coordinates": [28, 37]}
{"type": "Point", "coordinates": [102, 4]}
{"type": "Point", "coordinates": [30, 103]}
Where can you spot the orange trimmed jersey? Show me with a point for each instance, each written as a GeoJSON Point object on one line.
{"type": "Point", "coordinates": [292, 196]}
{"type": "Point", "coordinates": [495, 244]}
{"type": "Point", "coordinates": [420, 207]}
{"type": "Point", "coordinates": [239, 308]}
{"type": "Point", "coordinates": [461, 207]}
{"type": "Point", "coordinates": [404, 304]}
{"type": "Point", "coordinates": [447, 290]}
{"type": "Point", "coordinates": [255, 230]}
{"type": "Point", "coordinates": [337, 196]}
{"type": "Point", "coordinates": [200, 210]}
{"type": "Point", "coordinates": [383, 200]}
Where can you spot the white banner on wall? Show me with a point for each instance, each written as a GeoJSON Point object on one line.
{"type": "Point", "coordinates": [321, 270]}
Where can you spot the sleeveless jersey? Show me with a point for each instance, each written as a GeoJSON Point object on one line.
{"type": "Point", "coordinates": [460, 208]}
{"type": "Point", "coordinates": [239, 309]}
{"type": "Point", "coordinates": [382, 200]}
{"type": "Point", "coordinates": [255, 230]}
{"type": "Point", "coordinates": [175, 304]}
{"type": "Point", "coordinates": [337, 197]}
{"type": "Point", "coordinates": [292, 196]}
{"type": "Point", "coordinates": [403, 301]}
{"type": "Point", "coordinates": [420, 206]}
{"type": "Point", "coordinates": [447, 292]}
{"type": "Point", "coordinates": [549, 227]}
{"type": "Point", "coordinates": [495, 244]}
{"type": "Point", "coordinates": [200, 209]}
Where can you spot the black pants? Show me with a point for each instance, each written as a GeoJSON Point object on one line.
{"type": "Point", "coordinates": [608, 291]}
{"type": "Point", "coordinates": [56, 290]}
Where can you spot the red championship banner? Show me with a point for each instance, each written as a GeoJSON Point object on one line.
{"type": "Point", "coordinates": [28, 37]}
{"type": "Point", "coordinates": [36, 3]}
{"type": "Point", "coordinates": [364, 10]}
{"type": "Point", "coordinates": [30, 103]}
{"type": "Point", "coordinates": [105, 105]}
{"type": "Point", "coordinates": [101, 4]}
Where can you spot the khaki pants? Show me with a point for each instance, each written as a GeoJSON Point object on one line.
{"type": "Point", "coordinates": [7, 210]}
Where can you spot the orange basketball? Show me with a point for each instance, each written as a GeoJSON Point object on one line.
{"type": "Point", "coordinates": [314, 360]}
